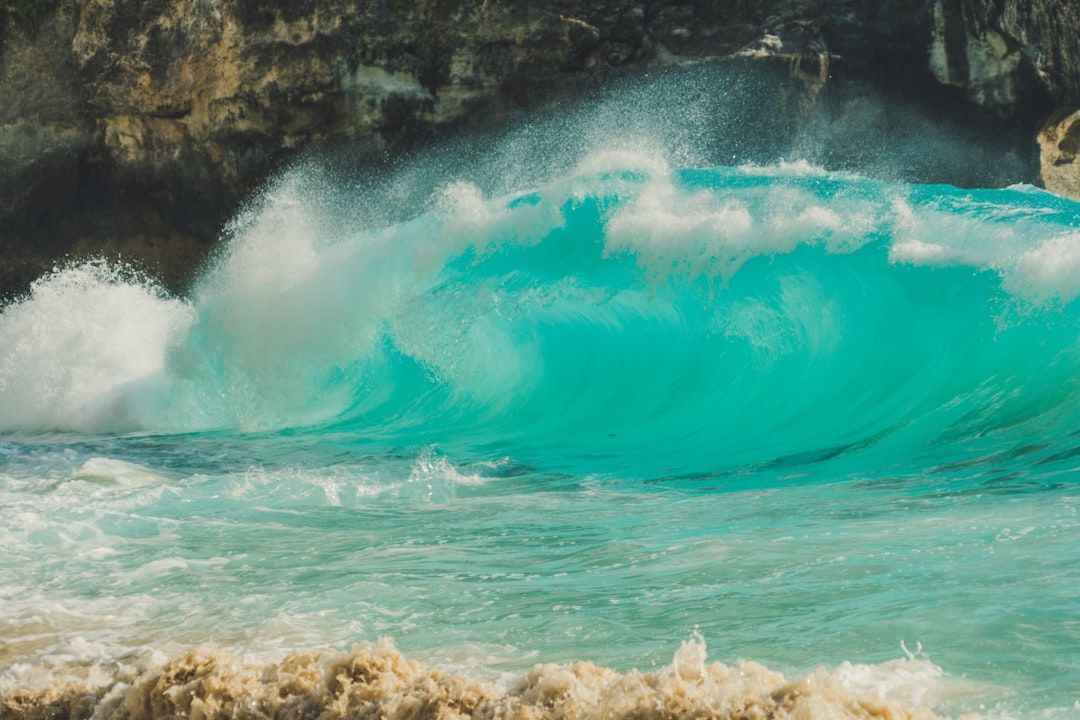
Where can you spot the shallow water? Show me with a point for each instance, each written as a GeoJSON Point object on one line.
{"type": "Point", "coordinates": [816, 419]}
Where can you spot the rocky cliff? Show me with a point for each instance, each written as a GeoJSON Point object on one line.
{"type": "Point", "coordinates": [134, 127]}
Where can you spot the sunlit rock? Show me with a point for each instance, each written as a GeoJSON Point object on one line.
{"type": "Point", "coordinates": [1059, 146]}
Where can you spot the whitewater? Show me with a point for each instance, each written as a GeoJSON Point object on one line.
{"type": "Point", "coordinates": [439, 446]}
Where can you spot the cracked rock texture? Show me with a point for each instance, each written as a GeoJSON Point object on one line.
{"type": "Point", "coordinates": [134, 127]}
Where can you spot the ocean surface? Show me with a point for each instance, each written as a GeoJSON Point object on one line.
{"type": "Point", "coordinates": [633, 409]}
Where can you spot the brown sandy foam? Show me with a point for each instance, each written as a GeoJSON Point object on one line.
{"type": "Point", "coordinates": [376, 682]}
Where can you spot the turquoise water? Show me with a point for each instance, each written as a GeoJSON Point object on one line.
{"type": "Point", "coordinates": [813, 418]}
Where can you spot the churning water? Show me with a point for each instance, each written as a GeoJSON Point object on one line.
{"type": "Point", "coordinates": [827, 423]}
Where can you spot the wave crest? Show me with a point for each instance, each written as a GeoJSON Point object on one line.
{"type": "Point", "coordinates": [623, 300]}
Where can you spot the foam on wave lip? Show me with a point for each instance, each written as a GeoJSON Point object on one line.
{"type": "Point", "coordinates": [1049, 271]}
{"type": "Point", "coordinates": [375, 680]}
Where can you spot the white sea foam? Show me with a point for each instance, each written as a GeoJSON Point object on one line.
{"type": "Point", "coordinates": [672, 231]}
{"type": "Point", "coordinates": [436, 479]}
{"type": "Point", "coordinates": [918, 252]}
{"type": "Point", "coordinates": [86, 350]}
{"type": "Point", "coordinates": [110, 471]}
{"type": "Point", "coordinates": [1036, 256]}
{"type": "Point", "coordinates": [1049, 271]}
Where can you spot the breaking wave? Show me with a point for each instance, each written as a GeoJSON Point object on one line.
{"type": "Point", "coordinates": [617, 346]}
{"type": "Point", "coordinates": [725, 315]}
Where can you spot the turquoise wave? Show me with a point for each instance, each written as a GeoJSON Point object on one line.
{"type": "Point", "coordinates": [810, 415]}
{"type": "Point", "coordinates": [682, 321]}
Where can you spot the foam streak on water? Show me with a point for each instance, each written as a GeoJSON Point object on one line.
{"type": "Point", "coordinates": [819, 419]}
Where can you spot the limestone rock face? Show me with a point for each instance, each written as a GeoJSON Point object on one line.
{"type": "Point", "coordinates": [1059, 146]}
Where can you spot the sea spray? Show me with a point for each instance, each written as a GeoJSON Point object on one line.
{"type": "Point", "coordinates": [79, 345]}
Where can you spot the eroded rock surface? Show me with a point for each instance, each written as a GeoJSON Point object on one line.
{"type": "Point", "coordinates": [1059, 145]}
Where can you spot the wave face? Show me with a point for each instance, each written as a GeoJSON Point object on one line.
{"type": "Point", "coordinates": [704, 319]}
{"type": "Point", "coordinates": [808, 414]}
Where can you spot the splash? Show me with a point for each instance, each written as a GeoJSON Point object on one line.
{"type": "Point", "coordinates": [377, 681]}
{"type": "Point", "coordinates": [85, 348]}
